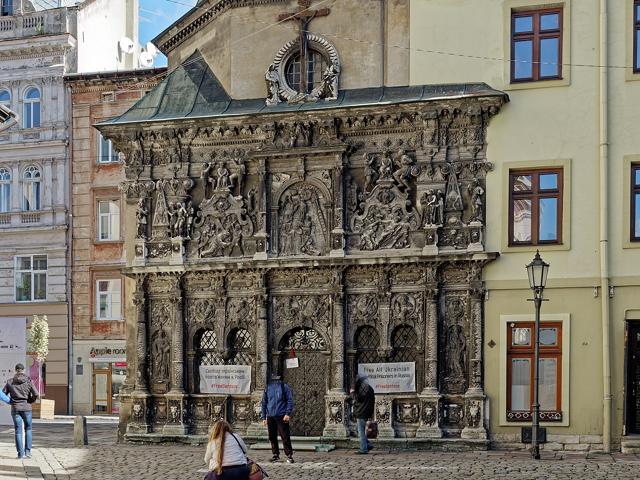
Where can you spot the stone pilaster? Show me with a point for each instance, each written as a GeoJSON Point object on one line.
{"type": "Point", "coordinates": [384, 416]}
{"type": "Point", "coordinates": [475, 400]}
{"type": "Point", "coordinates": [262, 361]}
{"type": "Point", "coordinates": [140, 397]}
{"type": "Point", "coordinates": [176, 398]}
{"type": "Point", "coordinates": [430, 396]}
{"type": "Point", "coordinates": [338, 336]}
{"type": "Point", "coordinates": [336, 416]}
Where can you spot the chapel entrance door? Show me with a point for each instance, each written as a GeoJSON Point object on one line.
{"type": "Point", "coordinates": [633, 378]}
{"type": "Point", "coordinates": [307, 381]}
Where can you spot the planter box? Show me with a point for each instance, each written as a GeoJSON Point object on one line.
{"type": "Point", "coordinates": [44, 409]}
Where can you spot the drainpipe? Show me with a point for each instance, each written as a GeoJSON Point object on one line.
{"type": "Point", "coordinates": [604, 226]}
{"type": "Point", "coordinates": [383, 34]}
{"type": "Point", "coordinates": [69, 221]}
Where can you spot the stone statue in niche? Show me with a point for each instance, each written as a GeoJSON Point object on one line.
{"type": "Point", "coordinates": [273, 85]}
{"type": "Point", "coordinates": [179, 218]}
{"type": "Point", "coordinates": [161, 350]}
{"type": "Point", "coordinates": [302, 225]}
{"type": "Point", "coordinates": [385, 170]}
{"type": "Point", "coordinates": [223, 182]}
{"type": "Point", "coordinates": [141, 219]}
{"type": "Point", "coordinates": [433, 208]}
{"type": "Point", "coordinates": [456, 341]}
{"type": "Point", "coordinates": [477, 193]}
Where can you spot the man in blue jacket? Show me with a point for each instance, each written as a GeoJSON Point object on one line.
{"type": "Point", "coordinates": [277, 406]}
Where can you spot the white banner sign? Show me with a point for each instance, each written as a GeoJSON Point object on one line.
{"type": "Point", "coordinates": [225, 379]}
{"type": "Point", "coordinates": [390, 377]}
{"type": "Point", "coordinates": [13, 349]}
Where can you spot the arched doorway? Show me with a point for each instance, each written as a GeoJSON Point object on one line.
{"type": "Point", "coordinates": [307, 381]}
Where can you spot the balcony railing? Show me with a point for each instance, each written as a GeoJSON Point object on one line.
{"type": "Point", "coordinates": [40, 23]}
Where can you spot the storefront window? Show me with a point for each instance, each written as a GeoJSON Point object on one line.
{"type": "Point", "coordinates": [108, 378]}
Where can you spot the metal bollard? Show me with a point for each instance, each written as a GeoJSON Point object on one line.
{"type": "Point", "coordinates": [80, 434]}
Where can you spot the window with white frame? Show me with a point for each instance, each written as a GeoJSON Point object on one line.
{"type": "Point", "coordinates": [5, 97]}
{"type": "Point", "coordinates": [31, 179]}
{"type": "Point", "coordinates": [6, 8]}
{"type": "Point", "coordinates": [108, 299]}
{"type": "Point", "coordinates": [108, 220]}
{"type": "Point", "coordinates": [31, 117]}
{"type": "Point", "coordinates": [31, 278]}
{"type": "Point", "coordinates": [5, 190]}
{"type": "Point", "coordinates": [106, 152]}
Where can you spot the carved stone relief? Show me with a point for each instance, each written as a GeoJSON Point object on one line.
{"type": "Point", "coordinates": [302, 224]}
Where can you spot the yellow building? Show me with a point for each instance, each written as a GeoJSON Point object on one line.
{"type": "Point", "coordinates": [567, 146]}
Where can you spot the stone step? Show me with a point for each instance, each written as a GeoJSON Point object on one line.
{"type": "Point", "coordinates": [298, 446]}
{"type": "Point", "coordinates": [630, 444]}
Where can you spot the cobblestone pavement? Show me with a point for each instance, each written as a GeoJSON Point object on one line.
{"type": "Point", "coordinates": [55, 458]}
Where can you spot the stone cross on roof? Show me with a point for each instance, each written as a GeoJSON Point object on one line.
{"type": "Point", "coordinates": [304, 16]}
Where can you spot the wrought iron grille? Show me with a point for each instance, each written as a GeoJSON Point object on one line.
{"type": "Point", "coordinates": [367, 342]}
{"type": "Point", "coordinates": [240, 344]}
{"type": "Point", "coordinates": [207, 353]}
{"type": "Point", "coordinates": [405, 347]}
{"type": "Point", "coordinates": [304, 339]}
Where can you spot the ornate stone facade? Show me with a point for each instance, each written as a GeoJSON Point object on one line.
{"type": "Point", "coordinates": [306, 231]}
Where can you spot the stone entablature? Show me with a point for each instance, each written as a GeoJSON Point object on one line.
{"type": "Point", "coordinates": [327, 221]}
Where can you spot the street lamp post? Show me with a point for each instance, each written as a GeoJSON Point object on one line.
{"type": "Point", "coordinates": [537, 270]}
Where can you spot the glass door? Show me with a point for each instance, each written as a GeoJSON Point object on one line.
{"type": "Point", "coordinates": [102, 388]}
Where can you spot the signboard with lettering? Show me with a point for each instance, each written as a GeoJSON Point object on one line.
{"type": "Point", "coordinates": [108, 354]}
{"type": "Point", "coordinates": [225, 379]}
{"type": "Point", "coordinates": [390, 377]}
{"type": "Point", "coordinates": [13, 349]}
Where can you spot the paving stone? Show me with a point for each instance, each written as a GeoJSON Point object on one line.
{"type": "Point", "coordinates": [56, 458]}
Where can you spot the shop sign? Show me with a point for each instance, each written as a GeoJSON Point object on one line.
{"type": "Point", "coordinates": [108, 354]}
{"type": "Point", "coordinates": [225, 379]}
{"type": "Point", "coordinates": [390, 377]}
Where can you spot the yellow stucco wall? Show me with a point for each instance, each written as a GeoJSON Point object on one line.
{"type": "Point", "coordinates": [550, 123]}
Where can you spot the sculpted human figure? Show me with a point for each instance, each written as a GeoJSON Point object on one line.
{"type": "Point", "coordinates": [161, 354]}
{"type": "Point", "coordinates": [329, 89]}
{"type": "Point", "coordinates": [173, 219]}
{"type": "Point", "coordinates": [369, 171]}
{"type": "Point", "coordinates": [273, 85]}
{"type": "Point", "coordinates": [405, 171]}
{"type": "Point", "coordinates": [223, 181]}
{"type": "Point", "coordinates": [430, 206]}
{"type": "Point", "coordinates": [190, 217]}
{"type": "Point", "coordinates": [141, 219]}
{"type": "Point", "coordinates": [476, 200]}
{"type": "Point", "coordinates": [386, 167]}
{"type": "Point", "coordinates": [181, 220]}
{"type": "Point", "coordinates": [440, 209]}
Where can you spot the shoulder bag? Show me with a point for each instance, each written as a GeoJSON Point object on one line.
{"type": "Point", "coordinates": [256, 472]}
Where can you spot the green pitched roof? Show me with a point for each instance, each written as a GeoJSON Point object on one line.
{"type": "Point", "coordinates": [193, 91]}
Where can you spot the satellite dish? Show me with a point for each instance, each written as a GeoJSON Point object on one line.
{"type": "Point", "coordinates": [126, 45]}
{"type": "Point", "coordinates": [146, 59]}
{"type": "Point", "coordinates": [151, 49]}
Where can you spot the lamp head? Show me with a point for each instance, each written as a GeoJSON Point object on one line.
{"type": "Point", "coordinates": [537, 270]}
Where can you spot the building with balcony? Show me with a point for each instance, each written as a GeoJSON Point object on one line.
{"type": "Point", "coordinates": [38, 46]}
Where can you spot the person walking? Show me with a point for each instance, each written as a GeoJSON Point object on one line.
{"type": "Point", "coordinates": [226, 455]}
{"type": "Point", "coordinates": [364, 400]}
{"type": "Point", "coordinates": [22, 394]}
{"type": "Point", "coordinates": [277, 407]}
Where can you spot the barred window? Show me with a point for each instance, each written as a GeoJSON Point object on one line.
{"type": "Point", "coordinates": [239, 346]}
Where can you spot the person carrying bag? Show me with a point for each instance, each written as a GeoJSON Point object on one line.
{"type": "Point", "coordinates": [226, 456]}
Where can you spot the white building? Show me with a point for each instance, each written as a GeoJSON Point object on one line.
{"type": "Point", "coordinates": [38, 46]}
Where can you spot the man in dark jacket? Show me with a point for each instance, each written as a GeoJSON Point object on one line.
{"type": "Point", "coordinates": [277, 406]}
{"type": "Point", "coordinates": [364, 400]}
{"type": "Point", "coordinates": [22, 394]}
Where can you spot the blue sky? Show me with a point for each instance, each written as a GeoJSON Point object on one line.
{"type": "Point", "coordinates": [156, 15]}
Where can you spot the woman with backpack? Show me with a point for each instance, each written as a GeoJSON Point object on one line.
{"type": "Point", "coordinates": [226, 455]}
{"type": "Point", "coordinates": [22, 394]}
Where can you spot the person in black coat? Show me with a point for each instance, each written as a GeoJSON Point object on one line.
{"type": "Point", "coordinates": [364, 400]}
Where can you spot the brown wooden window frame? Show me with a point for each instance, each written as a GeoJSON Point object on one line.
{"type": "Point", "coordinates": [635, 190]}
{"type": "Point", "coordinates": [636, 29]}
{"type": "Point", "coordinates": [535, 195]}
{"type": "Point", "coordinates": [536, 35]}
{"type": "Point", "coordinates": [527, 351]}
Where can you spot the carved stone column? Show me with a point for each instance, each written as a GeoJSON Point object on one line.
{"type": "Point", "coordinates": [430, 396]}
{"type": "Point", "coordinates": [337, 234]}
{"type": "Point", "coordinates": [336, 399]}
{"type": "Point", "coordinates": [140, 397]}
{"type": "Point", "coordinates": [176, 399]}
{"type": "Point", "coordinates": [262, 237]}
{"type": "Point", "coordinates": [262, 361]}
{"type": "Point", "coordinates": [475, 400]}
